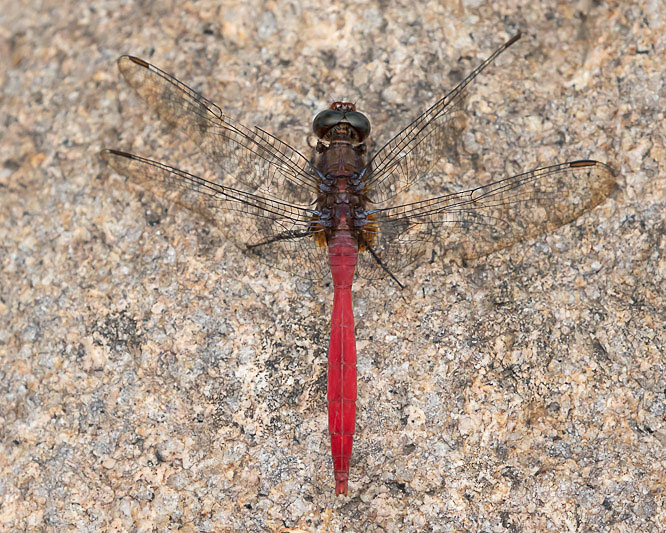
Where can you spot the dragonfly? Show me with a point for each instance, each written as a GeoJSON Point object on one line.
{"type": "Point", "coordinates": [338, 213]}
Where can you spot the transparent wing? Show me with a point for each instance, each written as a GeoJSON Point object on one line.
{"type": "Point", "coordinates": [476, 222]}
{"type": "Point", "coordinates": [413, 151]}
{"type": "Point", "coordinates": [253, 157]}
{"type": "Point", "coordinates": [272, 231]}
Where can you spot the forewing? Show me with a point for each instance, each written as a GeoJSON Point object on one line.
{"type": "Point", "coordinates": [413, 151]}
{"type": "Point", "coordinates": [474, 223]}
{"type": "Point", "coordinates": [274, 232]}
{"type": "Point", "coordinates": [256, 159]}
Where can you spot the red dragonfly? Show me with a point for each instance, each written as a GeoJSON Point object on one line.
{"type": "Point", "coordinates": [339, 212]}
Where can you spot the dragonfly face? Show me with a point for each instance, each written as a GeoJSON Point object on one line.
{"type": "Point", "coordinates": [341, 113]}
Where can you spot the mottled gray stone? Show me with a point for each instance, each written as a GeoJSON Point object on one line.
{"type": "Point", "coordinates": [152, 378]}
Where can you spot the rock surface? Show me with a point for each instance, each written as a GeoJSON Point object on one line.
{"type": "Point", "coordinates": [153, 378]}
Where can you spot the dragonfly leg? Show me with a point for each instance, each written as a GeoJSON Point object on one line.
{"type": "Point", "coordinates": [384, 267]}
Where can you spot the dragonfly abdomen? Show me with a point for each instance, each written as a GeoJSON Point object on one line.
{"type": "Point", "coordinates": [342, 251]}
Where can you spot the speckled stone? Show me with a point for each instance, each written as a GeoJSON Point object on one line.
{"type": "Point", "coordinates": [153, 379]}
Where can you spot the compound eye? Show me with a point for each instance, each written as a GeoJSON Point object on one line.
{"type": "Point", "coordinates": [325, 120]}
{"type": "Point", "coordinates": [359, 122]}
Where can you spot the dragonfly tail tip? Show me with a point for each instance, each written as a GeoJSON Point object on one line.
{"type": "Point", "coordinates": [341, 487]}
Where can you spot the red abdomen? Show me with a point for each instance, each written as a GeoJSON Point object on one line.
{"type": "Point", "coordinates": [342, 252]}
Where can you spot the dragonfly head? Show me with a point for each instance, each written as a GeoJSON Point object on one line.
{"type": "Point", "coordinates": [341, 121]}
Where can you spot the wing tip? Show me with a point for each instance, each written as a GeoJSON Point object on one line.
{"type": "Point", "coordinates": [582, 163]}
{"type": "Point", "coordinates": [110, 156]}
{"type": "Point", "coordinates": [107, 152]}
{"type": "Point", "coordinates": [513, 39]}
{"type": "Point", "coordinates": [127, 58]}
